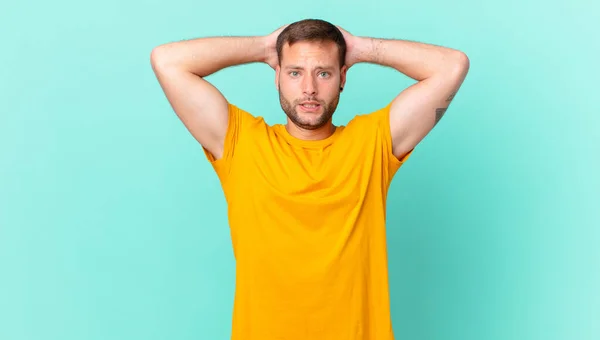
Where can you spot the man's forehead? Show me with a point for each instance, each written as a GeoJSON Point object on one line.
{"type": "Point", "coordinates": [323, 45]}
{"type": "Point", "coordinates": [310, 54]}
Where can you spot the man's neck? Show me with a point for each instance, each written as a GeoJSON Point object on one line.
{"type": "Point", "coordinates": [305, 134]}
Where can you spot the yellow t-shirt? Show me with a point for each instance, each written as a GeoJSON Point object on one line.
{"type": "Point", "coordinates": [307, 223]}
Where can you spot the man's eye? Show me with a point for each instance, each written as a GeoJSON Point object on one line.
{"type": "Point", "coordinates": [294, 73]}
{"type": "Point", "coordinates": [324, 74]}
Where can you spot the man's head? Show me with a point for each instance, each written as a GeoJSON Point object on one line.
{"type": "Point", "coordinates": [311, 72]}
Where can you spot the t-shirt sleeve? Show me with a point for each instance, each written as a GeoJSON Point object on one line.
{"type": "Point", "coordinates": [381, 118]}
{"type": "Point", "coordinates": [237, 121]}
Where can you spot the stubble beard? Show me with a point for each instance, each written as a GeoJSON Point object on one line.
{"type": "Point", "coordinates": [292, 113]}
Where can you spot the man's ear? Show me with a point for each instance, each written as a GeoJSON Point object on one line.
{"type": "Point", "coordinates": [277, 71]}
{"type": "Point", "coordinates": [343, 73]}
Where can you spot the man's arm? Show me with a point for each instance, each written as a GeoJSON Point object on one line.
{"type": "Point", "coordinates": [181, 67]}
{"type": "Point", "coordinates": [439, 72]}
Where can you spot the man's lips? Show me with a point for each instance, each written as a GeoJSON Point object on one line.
{"type": "Point", "coordinates": [309, 106]}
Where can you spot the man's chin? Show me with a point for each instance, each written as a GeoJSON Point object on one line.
{"type": "Point", "coordinates": [312, 123]}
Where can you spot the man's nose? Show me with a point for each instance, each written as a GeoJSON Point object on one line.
{"type": "Point", "coordinates": [309, 86]}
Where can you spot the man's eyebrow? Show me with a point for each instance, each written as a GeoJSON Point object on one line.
{"type": "Point", "coordinates": [318, 67]}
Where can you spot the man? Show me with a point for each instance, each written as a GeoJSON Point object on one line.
{"type": "Point", "coordinates": [307, 199]}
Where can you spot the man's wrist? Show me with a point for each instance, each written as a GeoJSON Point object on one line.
{"type": "Point", "coordinates": [360, 49]}
{"type": "Point", "coordinates": [366, 49]}
{"type": "Point", "coordinates": [265, 47]}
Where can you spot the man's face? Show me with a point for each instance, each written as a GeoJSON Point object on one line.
{"type": "Point", "coordinates": [309, 78]}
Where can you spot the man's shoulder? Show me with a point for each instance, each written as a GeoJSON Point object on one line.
{"type": "Point", "coordinates": [371, 117]}
{"type": "Point", "coordinates": [246, 118]}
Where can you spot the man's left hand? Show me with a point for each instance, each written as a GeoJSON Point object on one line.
{"type": "Point", "coordinates": [352, 47]}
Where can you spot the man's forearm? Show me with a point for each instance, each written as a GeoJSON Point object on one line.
{"type": "Point", "coordinates": [416, 60]}
{"type": "Point", "coordinates": [205, 56]}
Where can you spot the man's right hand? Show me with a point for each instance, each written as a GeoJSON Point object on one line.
{"type": "Point", "coordinates": [271, 47]}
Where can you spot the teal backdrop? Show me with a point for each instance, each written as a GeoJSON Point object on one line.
{"type": "Point", "coordinates": [113, 225]}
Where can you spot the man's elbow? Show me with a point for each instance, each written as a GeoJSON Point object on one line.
{"type": "Point", "coordinates": [461, 62]}
{"type": "Point", "coordinates": [163, 56]}
{"type": "Point", "coordinates": [157, 56]}
{"type": "Point", "coordinates": [456, 67]}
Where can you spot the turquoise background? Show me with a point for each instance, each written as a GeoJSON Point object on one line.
{"type": "Point", "coordinates": [113, 224]}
